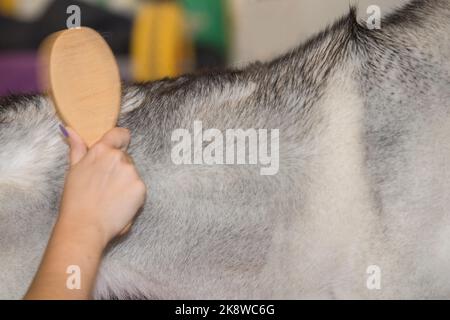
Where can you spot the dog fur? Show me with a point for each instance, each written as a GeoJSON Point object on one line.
{"type": "Point", "coordinates": [364, 174]}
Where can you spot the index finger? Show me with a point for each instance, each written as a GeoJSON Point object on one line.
{"type": "Point", "coordinates": [118, 138]}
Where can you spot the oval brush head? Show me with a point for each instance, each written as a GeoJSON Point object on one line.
{"type": "Point", "coordinates": [80, 74]}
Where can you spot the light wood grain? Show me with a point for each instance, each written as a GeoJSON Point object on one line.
{"type": "Point", "coordinates": [79, 72]}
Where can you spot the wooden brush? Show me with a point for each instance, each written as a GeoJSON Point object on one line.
{"type": "Point", "coordinates": [80, 74]}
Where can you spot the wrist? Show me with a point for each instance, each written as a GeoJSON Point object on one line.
{"type": "Point", "coordinates": [87, 236]}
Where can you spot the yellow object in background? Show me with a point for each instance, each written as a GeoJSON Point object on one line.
{"type": "Point", "coordinates": [160, 45]}
{"type": "Point", "coordinates": [7, 7]}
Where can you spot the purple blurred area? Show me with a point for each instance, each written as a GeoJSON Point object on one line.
{"type": "Point", "coordinates": [18, 73]}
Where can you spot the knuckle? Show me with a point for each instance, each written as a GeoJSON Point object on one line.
{"type": "Point", "coordinates": [99, 147]}
{"type": "Point", "coordinates": [124, 131]}
{"type": "Point", "coordinates": [114, 155]}
{"type": "Point", "coordinates": [140, 186]}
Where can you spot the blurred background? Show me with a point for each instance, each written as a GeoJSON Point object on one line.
{"type": "Point", "coordinates": [164, 38]}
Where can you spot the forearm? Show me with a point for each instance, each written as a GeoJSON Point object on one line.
{"type": "Point", "coordinates": [69, 245]}
{"type": "Point", "coordinates": [102, 194]}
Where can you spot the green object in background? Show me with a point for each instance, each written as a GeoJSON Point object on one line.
{"type": "Point", "coordinates": [210, 23]}
{"type": "Point", "coordinates": [102, 3]}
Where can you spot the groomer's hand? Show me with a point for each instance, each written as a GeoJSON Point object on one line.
{"type": "Point", "coordinates": [102, 194]}
{"type": "Point", "coordinates": [103, 190]}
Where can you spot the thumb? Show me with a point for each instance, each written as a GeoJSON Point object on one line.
{"type": "Point", "coordinates": [78, 148]}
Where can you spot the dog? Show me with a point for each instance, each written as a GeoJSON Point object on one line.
{"type": "Point", "coordinates": [359, 207]}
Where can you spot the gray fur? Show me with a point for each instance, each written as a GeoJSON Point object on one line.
{"type": "Point", "coordinates": [364, 120]}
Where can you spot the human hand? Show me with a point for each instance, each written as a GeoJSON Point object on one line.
{"type": "Point", "coordinates": [103, 190]}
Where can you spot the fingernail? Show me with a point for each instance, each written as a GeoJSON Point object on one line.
{"type": "Point", "coordinates": [64, 131]}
